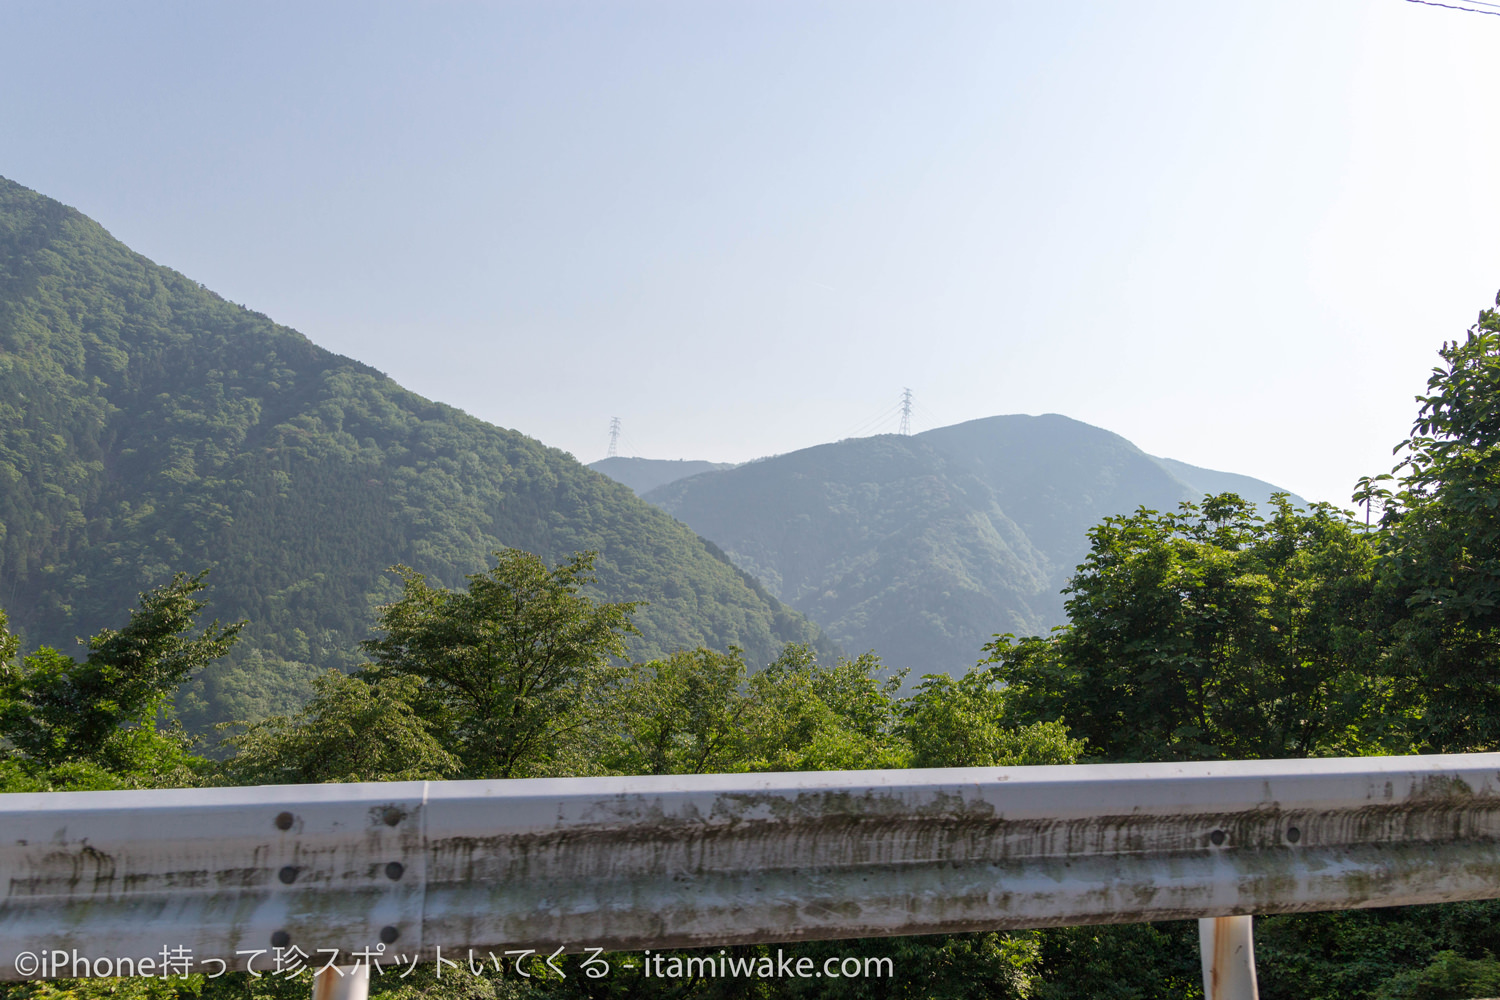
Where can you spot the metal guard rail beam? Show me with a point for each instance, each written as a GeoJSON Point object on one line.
{"type": "Point", "coordinates": [693, 861]}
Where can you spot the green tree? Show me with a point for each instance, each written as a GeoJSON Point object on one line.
{"type": "Point", "coordinates": [110, 712]}
{"type": "Point", "coordinates": [1121, 962]}
{"type": "Point", "coordinates": [685, 714]}
{"type": "Point", "coordinates": [10, 643]}
{"type": "Point", "coordinates": [352, 730]}
{"type": "Point", "coordinates": [815, 718]}
{"type": "Point", "coordinates": [1449, 976]}
{"type": "Point", "coordinates": [516, 670]}
{"type": "Point", "coordinates": [1440, 544]}
{"type": "Point", "coordinates": [699, 712]}
{"type": "Point", "coordinates": [1215, 633]}
{"type": "Point", "coordinates": [970, 722]}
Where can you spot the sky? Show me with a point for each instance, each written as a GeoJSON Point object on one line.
{"type": "Point", "coordinates": [1234, 233]}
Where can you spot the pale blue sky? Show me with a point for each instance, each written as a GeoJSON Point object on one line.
{"type": "Point", "coordinates": [1233, 232]}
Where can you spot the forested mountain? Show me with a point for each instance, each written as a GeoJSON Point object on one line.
{"type": "Point", "coordinates": [922, 547]}
{"type": "Point", "coordinates": [645, 474]}
{"type": "Point", "coordinates": [147, 426]}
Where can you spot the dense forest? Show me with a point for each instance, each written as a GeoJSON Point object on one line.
{"type": "Point", "coordinates": [149, 426]}
{"type": "Point", "coordinates": [1213, 631]}
{"type": "Point", "coordinates": [924, 546]}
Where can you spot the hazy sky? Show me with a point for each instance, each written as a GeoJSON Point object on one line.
{"type": "Point", "coordinates": [1235, 233]}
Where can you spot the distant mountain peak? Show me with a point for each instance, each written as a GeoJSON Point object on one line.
{"type": "Point", "coordinates": [922, 547]}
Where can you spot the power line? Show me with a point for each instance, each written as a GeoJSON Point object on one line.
{"type": "Point", "coordinates": [880, 418]}
{"type": "Point", "coordinates": [1449, 6]}
{"type": "Point", "coordinates": [926, 416]}
{"type": "Point", "coordinates": [903, 412]}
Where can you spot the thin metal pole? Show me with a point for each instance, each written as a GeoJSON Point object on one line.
{"type": "Point", "coordinates": [350, 982]}
{"type": "Point", "coordinates": [1228, 958]}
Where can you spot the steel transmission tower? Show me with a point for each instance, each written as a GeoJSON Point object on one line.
{"type": "Point", "coordinates": [614, 437]}
{"type": "Point", "coordinates": [905, 411]}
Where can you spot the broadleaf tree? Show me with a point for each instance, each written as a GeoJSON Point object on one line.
{"type": "Point", "coordinates": [516, 670]}
{"type": "Point", "coordinates": [109, 713]}
{"type": "Point", "coordinates": [1215, 633]}
{"type": "Point", "coordinates": [1440, 545]}
{"type": "Point", "coordinates": [353, 730]}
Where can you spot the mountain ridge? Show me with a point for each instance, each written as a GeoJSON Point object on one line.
{"type": "Point", "coordinates": [924, 546]}
{"type": "Point", "coordinates": [149, 426]}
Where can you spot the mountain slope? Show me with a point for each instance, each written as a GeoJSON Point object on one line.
{"type": "Point", "coordinates": [1208, 481]}
{"type": "Point", "coordinates": [923, 547]}
{"type": "Point", "coordinates": [645, 474]}
{"type": "Point", "coordinates": [148, 426]}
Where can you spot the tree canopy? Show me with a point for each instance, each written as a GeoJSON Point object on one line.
{"type": "Point", "coordinates": [109, 712]}
{"type": "Point", "coordinates": [1215, 633]}
{"type": "Point", "coordinates": [516, 667]}
{"type": "Point", "coordinates": [352, 730]}
{"type": "Point", "coordinates": [1440, 544]}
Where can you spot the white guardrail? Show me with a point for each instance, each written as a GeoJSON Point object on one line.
{"type": "Point", "coordinates": [638, 863]}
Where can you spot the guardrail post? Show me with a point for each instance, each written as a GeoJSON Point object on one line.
{"type": "Point", "coordinates": [1228, 958]}
{"type": "Point", "coordinates": [350, 982]}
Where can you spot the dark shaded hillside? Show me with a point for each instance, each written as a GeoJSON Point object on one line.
{"type": "Point", "coordinates": [923, 547]}
{"type": "Point", "coordinates": [645, 474]}
{"type": "Point", "coordinates": [147, 426]}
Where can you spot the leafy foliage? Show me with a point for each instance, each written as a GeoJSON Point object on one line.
{"type": "Point", "coordinates": [119, 988]}
{"type": "Point", "coordinates": [10, 643]}
{"type": "Point", "coordinates": [685, 714]}
{"type": "Point", "coordinates": [1440, 544]}
{"type": "Point", "coordinates": [513, 668]}
{"type": "Point", "coordinates": [1382, 953]}
{"type": "Point", "coordinates": [352, 730]}
{"type": "Point", "coordinates": [817, 718]}
{"type": "Point", "coordinates": [1215, 633]}
{"type": "Point", "coordinates": [1450, 976]}
{"type": "Point", "coordinates": [1121, 962]}
{"type": "Point", "coordinates": [102, 713]}
{"type": "Point", "coordinates": [971, 722]}
{"type": "Point", "coordinates": [698, 712]}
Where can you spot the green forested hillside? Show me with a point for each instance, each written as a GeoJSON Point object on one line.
{"type": "Point", "coordinates": [148, 425]}
{"type": "Point", "coordinates": [923, 547]}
